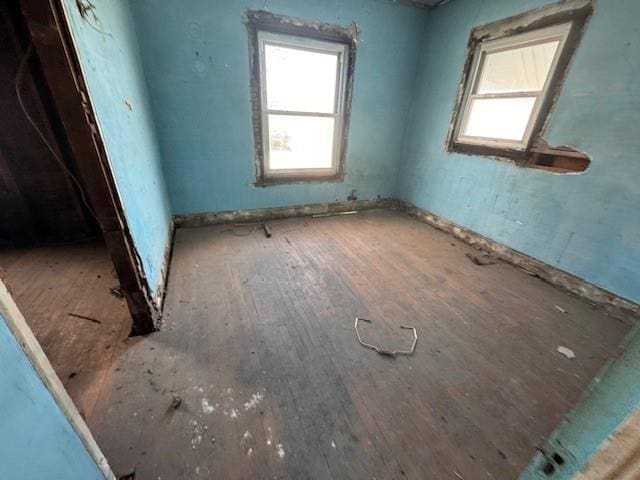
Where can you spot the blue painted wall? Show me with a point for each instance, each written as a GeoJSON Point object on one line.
{"type": "Point", "coordinates": [586, 224]}
{"type": "Point", "coordinates": [196, 57]}
{"type": "Point", "coordinates": [36, 440]}
{"type": "Point", "coordinates": [109, 54]}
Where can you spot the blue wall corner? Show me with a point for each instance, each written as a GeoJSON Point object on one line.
{"type": "Point", "coordinates": [585, 224]}
{"type": "Point", "coordinates": [108, 50]}
{"type": "Point", "coordinates": [36, 439]}
{"type": "Point", "coordinates": [197, 64]}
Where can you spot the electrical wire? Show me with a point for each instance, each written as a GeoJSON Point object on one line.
{"type": "Point", "coordinates": [18, 81]}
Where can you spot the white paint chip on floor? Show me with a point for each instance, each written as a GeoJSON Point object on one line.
{"type": "Point", "coordinates": [207, 408]}
{"type": "Point", "coordinates": [254, 401]}
{"type": "Point", "coordinates": [567, 352]}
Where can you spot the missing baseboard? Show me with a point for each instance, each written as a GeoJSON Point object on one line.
{"type": "Point", "coordinates": [262, 214]}
{"type": "Point", "coordinates": [616, 306]}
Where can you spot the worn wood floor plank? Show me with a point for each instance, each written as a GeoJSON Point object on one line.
{"type": "Point", "coordinates": [258, 342]}
{"type": "Point", "coordinates": [47, 284]}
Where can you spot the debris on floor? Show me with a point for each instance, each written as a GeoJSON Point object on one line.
{"type": "Point", "coordinates": [382, 351]}
{"type": "Point", "coordinates": [83, 317]}
{"type": "Point", "coordinates": [207, 408]}
{"type": "Point", "coordinates": [560, 309]}
{"type": "Point", "coordinates": [480, 259]}
{"type": "Point", "coordinates": [332, 214]}
{"type": "Point", "coordinates": [567, 352]}
{"type": "Point", "coordinates": [240, 229]}
{"type": "Point", "coordinates": [116, 292]}
{"type": "Point", "coordinates": [176, 401]}
{"type": "Point", "coordinates": [128, 476]}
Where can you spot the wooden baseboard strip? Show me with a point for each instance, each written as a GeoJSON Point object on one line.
{"type": "Point", "coordinates": [262, 214]}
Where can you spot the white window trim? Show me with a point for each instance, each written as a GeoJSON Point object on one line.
{"type": "Point", "coordinates": [307, 44]}
{"type": "Point", "coordinates": [556, 32]}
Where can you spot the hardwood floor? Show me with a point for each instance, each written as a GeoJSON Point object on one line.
{"type": "Point", "coordinates": [257, 372]}
{"type": "Point", "coordinates": [48, 284]}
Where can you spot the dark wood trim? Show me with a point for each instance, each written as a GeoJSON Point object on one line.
{"type": "Point", "coordinates": [53, 43]}
{"type": "Point", "coordinates": [260, 20]}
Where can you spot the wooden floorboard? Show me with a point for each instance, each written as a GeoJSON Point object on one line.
{"type": "Point", "coordinates": [48, 284]}
{"type": "Point", "coordinates": [258, 345]}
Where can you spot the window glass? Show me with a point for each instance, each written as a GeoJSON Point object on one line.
{"type": "Point", "coordinates": [300, 80]}
{"type": "Point", "coordinates": [522, 69]}
{"type": "Point", "coordinates": [300, 142]}
{"type": "Point", "coordinates": [499, 118]}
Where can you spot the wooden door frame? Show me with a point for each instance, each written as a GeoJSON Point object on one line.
{"type": "Point", "coordinates": [53, 43]}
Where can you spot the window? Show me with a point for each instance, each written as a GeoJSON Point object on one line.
{"type": "Point", "coordinates": [511, 79]}
{"type": "Point", "coordinates": [301, 100]}
{"type": "Point", "coordinates": [509, 82]}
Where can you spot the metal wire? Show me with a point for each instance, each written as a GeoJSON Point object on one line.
{"type": "Point", "coordinates": [18, 80]}
{"type": "Point", "coordinates": [382, 351]}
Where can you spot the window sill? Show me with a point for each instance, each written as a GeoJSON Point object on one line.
{"type": "Point", "coordinates": [559, 160]}
{"type": "Point", "coordinates": [513, 155]}
{"type": "Point", "coordinates": [296, 179]}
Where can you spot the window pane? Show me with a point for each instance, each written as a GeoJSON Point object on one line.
{"type": "Point", "coordinates": [297, 142]}
{"type": "Point", "coordinates": [300, 80]}
{"type": "Point", "coordinates": [522, 69]}
{"type": "Point", "coordinates": [499, 118]}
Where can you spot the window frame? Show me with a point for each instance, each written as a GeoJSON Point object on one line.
{"type": "Point", "coordinates": [306, 44]}
{"type": "Point", "coordinates": [573, 13]}
{"type": "Point", "coordinates": [264, 21]}
{"type": "Point", "coordinates": [535, 37]}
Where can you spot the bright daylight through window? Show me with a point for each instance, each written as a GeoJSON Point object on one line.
{"type": "Point", "coordinates": [302, 88]}
{"type": "Point", "coordinates": [510, 79]}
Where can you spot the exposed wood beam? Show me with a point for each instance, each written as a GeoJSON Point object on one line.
{"type": "Point", "coordinates": [52, 40]}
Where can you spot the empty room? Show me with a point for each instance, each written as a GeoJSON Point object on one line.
{"type": "Point", "coordinates": [304, 239]}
